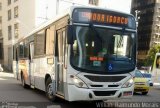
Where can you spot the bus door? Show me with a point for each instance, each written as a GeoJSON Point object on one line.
{"type": "Point", "coordinates": [60, 60]}
{"type": "Point", "coordinates": [31, 64]}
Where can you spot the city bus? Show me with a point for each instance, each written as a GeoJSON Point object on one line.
{"type": "Point", "coordinates": [86, 54]}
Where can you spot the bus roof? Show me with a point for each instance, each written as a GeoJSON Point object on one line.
{"type": "Point", "coordinates": [67, 12]}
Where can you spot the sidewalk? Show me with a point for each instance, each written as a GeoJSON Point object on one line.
{"type": "Point", "coordinates": [6, 74]}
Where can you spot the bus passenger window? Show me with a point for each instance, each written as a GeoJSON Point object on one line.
{"type": "Point", "coordinates": [50, 33]}
{"type": "Point", "coordinates": [40, 43]}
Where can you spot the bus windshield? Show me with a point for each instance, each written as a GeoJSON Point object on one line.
{"type": "Point", "coordinates": [102, 50]}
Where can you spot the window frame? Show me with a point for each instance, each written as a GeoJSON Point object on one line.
{"type": "Point", "coordinates": [0, 19]}
{"type": "Point", "coordinates": [9, 32]}
{"type": "Point", "coordinates": [15, 0]}
{"type": "Point", "coordinates": [1, 33]}
{"type": "Point", "coordinates": [0, 5]}
{"type": "Point", "coordinates": [9, 2]}
{"type": "Point", "coordinates": [94, 2]}
{"type": "Point", "coordinates": [1, 51]}
{"type": "Point", "coordinates": [9, 14]}
{"type": "Point", "coordinates": [16, 12]}
{"type": "Point", "coordinates": [16, 30]}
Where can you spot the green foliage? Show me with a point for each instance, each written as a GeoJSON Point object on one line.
{"type": "Point", "coordinates": [151, 55]}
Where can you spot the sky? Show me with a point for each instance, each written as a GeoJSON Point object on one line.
{"type": "Point", "coordinates": [120, 5]}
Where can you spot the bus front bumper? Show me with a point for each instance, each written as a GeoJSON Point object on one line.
{"type": "Point", "coordinates": [84, 94]}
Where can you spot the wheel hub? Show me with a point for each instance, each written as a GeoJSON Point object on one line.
{"type": "Point", "coordinates": [50, 92]}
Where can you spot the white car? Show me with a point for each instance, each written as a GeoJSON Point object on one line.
{"type": "Point", "coordinates": [149, 77]}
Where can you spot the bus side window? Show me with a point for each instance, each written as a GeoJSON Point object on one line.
{"type": "Point", "coordinates": [39, 43]}
{"type": "Point", "coordinates": [50, 35]}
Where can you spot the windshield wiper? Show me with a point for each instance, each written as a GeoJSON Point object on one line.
{"type": "Point", "coordinates": [97, 34]}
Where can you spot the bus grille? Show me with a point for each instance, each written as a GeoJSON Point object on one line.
{"type": "Point", "coordinates": [105, 78]}
{"type": "Point", "coordinates": [104, 93]}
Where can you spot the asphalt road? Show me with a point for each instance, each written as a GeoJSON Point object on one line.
{"type": "Point", "coordinates": [12, 93]}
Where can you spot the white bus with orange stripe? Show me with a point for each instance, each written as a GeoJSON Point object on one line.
{"type": "Point", "coordinates": [84, 55]}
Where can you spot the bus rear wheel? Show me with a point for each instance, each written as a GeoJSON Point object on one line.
{"type": "Point", "coordinates": [49, 91]}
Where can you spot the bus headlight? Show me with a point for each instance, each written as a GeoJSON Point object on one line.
{"type": "Point", "coordinates": [129, 83]}
{"type": "Point", "coordinates": [78, 82]}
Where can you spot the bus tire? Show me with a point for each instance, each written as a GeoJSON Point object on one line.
{"type": "Point", "coordinates": [49, 91]}
{"type": "Point", "coordinates": [23, 82]}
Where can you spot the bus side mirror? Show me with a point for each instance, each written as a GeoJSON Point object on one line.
{"type": "Point", "coordinates": [70, 34]}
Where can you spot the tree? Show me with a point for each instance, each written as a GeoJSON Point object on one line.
{"type": "Point", "coordinates": [151, 55]}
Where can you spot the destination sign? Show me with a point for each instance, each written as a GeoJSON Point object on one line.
{"type": "Point", "coordinates": [103, 17]}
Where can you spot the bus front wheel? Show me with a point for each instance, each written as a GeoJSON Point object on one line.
{"type": "Point", "coordinates": [49, 91]}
